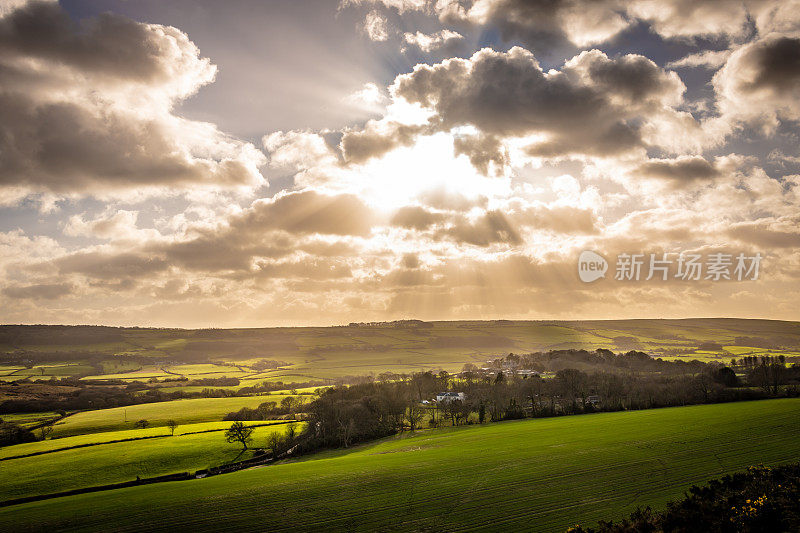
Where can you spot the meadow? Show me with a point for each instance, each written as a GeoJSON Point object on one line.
{"type": "Point", "coordinates": [157, 414]}
{"type": "Point", "coordinates": [108, 462]}
{"type": "Point", "coordinates": [542, 474]}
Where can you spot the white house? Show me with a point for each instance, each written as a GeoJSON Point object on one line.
{"type": "Point", "coordinates": [444, 397]}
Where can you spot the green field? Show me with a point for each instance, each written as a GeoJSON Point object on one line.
{"type": "Point", "coordinates": [116, 462]}
{"type": "Point", "coordinates": [544, 474]}
{"type": "Point", "coordinates": [157, 414]}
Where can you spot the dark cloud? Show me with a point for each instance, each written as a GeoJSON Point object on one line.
{"type": "Point", "coordinates": [767, 234]}
{"type": "Point", "coordinates": [774, 65]}
{"type": "Point", "coordinates": [552, 26]}
{"type": "Point", "coordinates": [88, 108]}
{"type": "Point", "coordinates": [759, 83]}
{"type": "Point", "coordinates": [272, 229]}
{"type": "Point", "coordinates": [482, 151]}
{"type": "Point", "coordinates": [45, 291]}
{"type": "Point", "coordinates": [359, 146]}
{"type": "Point", "coordinates": [65, 147]}
{"type": "Point", "coordinates": [491, 228]}
{"type": "Point", "coordinates": [109, 45]}
{"type": "Point", "coordinates": [111, 266]}
{"type": "Point", "coordinates": [684, 169]}
{"type": "Point", "coordinates": [563, 219]}
{"type": "Point", "coordinates": [309, 212]}
{"type": "Point", "coordinates": [594, 105]}
{"type": "Point", "coordinates": [410, 261]}
{"type": "Point", "coordinates": [415, 217]}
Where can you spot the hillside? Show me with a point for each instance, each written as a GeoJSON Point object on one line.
{"type": "Point", "coordinates": [321, 354]}
{"type": "Point", "coordinates": [547, 473]}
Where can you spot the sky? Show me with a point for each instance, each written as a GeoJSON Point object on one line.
{"type": "Point", "coordinates": [245, 164]}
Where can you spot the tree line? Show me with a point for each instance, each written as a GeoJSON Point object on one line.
{"type": "Point", "coordinates": [343, 415]}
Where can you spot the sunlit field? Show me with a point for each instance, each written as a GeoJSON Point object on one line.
{"type": "Point", "coordinates": [137, 453]}
{"type": "Point", "coordinates": [548, 474]}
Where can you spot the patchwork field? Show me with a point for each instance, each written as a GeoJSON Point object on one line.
{"type": "Point", "coordinates": [325, 354]}
{"type": "Point", "coordinates": [545, 474]}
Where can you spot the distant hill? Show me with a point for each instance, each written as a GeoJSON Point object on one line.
{"type": "Point", "coordinates": [372, 348]}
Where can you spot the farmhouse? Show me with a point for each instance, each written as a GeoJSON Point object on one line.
{"type": "Point", "coordinates": [444, 397]}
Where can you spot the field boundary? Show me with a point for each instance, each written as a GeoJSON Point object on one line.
{"type": "Point", "coordinates": [131, 439]}
{"type": "Point", "coordinates": [97, 488]}
{"type": "Point", "coordinates": [181, 476]}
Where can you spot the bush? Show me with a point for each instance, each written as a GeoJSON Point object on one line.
{"type": "Point", "coordinates": [762, 499]}
{"type": "Point", "coordinates": [11, 433]}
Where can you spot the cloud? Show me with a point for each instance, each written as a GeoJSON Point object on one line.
{"type": "Point", "coordinates": [760, 82]}
{"type": "Point", "coordinates": [768, 233]}
{"type": "Point", "coordinates": [487, 153]}
{"type": "Point", "coordinates": [111, 266]}
{"type": "Point", "coordinates": [489, 228]}
{"type": "Point", "coordinates": [271, 230]}
{"type": "Point", "coordinates": [559, 219]}
{"type": "Point", "coordinates": [376, 26]}
{"type": "Point", "coordinates": [43, 291]}
{"type": "Point", "coordinates": [377, 138]}
{"type": "Point", "coordinates": [415, 217]}
{"type": "Point", "coordinates": [690, 19]}
{"type": "Point", "coordinates": [679, 171]}
{"type": "Point", "coordinates": [429, 42]}
{"type": "Point", "coordinates": [544, 26]}
{"type": "Point", "coordinates": [594, 105]}
{"type": "Point", "coordinates": [709, 59]}
{"type": "Point", "coordinates": [88, 108]}
{"type": "Point", "coordinates": [308, 212]}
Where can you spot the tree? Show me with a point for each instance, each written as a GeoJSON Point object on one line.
{"type": "Point", "coordinates": [141, 424]}
{"type": "Point", "coordinates": [239, 432]}
{"type": "Point", "coordinates": [171, 424]}
{"type": "Point", "coordinates": [414, 413]}
{"type": "Point", "coordinates": [289, 404]}
{"type": "Point", "coordinates": [11, 433]}
{"type": "Point", "coordinates": [45, 431]}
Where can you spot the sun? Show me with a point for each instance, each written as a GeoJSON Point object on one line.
{"type": "Point", "coordinates": [406, 175]}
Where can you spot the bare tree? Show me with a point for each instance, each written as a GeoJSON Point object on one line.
{"type": "Point", "coordinates": [239, 432]}
{"type": "Point", "coordinates": [45, 431]}
{"type": "Point", "coordinates": [171, 424]}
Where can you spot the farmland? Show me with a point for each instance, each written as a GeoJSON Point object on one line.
{"type": "Point", "coordinates": [157, 414]}
{"type": "Point", "coordinates": [319, 354]}
{"type": "Point", "coordinates": [547, 473]}
{"type": "Point", "coordinates": [194, 447]}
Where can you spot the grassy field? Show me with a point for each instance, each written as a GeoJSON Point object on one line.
{"type": "Point", "coordinates": [157, 414]}
{"type": "Point", "coordinates": [115, 462]}
{"type": "Point", "coordinates": [542, 474]}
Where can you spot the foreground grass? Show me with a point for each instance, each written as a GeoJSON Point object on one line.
{"type": "Point", "coordinates": [119, 461]}
{"type": "Point", "coordinates": [157, 414]}
{"type": "Point", "coordinates": [541, 475]}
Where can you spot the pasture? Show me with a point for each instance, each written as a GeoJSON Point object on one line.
{"type": "Point", "coordinates": [113, 462]}
{"type": "Point", "coordinates": [544, 474]}
{"type": "Point", "coordinates": [182, 411]}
